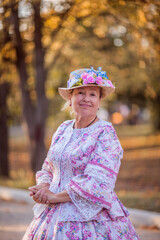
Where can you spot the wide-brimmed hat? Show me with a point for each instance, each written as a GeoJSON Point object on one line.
{"type": "Point", "coordinates": [87, 77]}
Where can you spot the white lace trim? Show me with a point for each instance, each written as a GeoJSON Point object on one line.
{"type": "Point", "coordinates": [87, 208]}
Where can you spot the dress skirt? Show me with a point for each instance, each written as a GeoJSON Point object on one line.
{"type": "Point", "coordinates": [48, 227]}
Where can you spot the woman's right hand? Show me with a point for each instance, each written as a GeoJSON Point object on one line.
{"type": "Point", "coordinates": [39, 191]}
{"type": "Point", "coordinates": [44, 196]}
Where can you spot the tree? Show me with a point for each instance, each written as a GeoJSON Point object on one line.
{"type": "Point", "coordinates": [34, 101]}
{"type": "Point", "coordinates": [47, 40]}
{"type": "Point", "coordinates": [4, 163]}
{"type": "Point", "coordinates": [5, 66]}
{"type": "Point", "coordinates": [123, 38]}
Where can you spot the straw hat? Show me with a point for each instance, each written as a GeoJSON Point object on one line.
{"type": "Point", "coordinates": [87, 77]}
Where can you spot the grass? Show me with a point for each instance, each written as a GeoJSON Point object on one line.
{"type": "Point", "coordinates": [147, 200]}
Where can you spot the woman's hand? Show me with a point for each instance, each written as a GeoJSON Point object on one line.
{"type": "Point", "coordinates": [37, 188]}
{"type": "Point", "coordinates": [41, 194]}
{"type": "Point", "coordinates": [44, 196]}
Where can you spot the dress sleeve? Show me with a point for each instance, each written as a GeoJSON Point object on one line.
{"type": "Point", "coordinates": [93, 190]}
{"type": "Point", "coordinates": [45, 175]}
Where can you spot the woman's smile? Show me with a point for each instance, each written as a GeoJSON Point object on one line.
{"type": "Point", "coordinates": [84, 105]}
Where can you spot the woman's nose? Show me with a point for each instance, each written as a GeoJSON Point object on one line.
{"type": "Point", "coordinates": [86, 97]}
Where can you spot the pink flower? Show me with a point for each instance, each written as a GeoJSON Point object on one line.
{"type": "Point", "coordinates": [90, 79]}
{"type": "Point", "coordinates": [84, 75]}
{"type": "Point", "coordinates": [110, 83]}
{"type": "Point", "coordinates": [85, 81]}
{"type": "Point", "coordinates": [99, 80]}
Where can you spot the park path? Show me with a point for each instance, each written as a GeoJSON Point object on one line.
{"type": "Point", "coordinates": [15, 217]}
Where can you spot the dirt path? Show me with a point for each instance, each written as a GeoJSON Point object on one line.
{"type": "Point", "coordinates": [15, 217]}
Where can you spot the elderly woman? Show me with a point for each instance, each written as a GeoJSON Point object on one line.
{"type": "Point", "coordinates": [74, 195]}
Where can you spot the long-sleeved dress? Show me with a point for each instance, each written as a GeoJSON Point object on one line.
{"type": "Point", "coordinates": [85, 162]}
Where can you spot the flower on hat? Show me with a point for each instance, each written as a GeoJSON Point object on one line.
{"type": "Point", "coordinates": [85, 81]}
{"type": "Point", "coordinates": [84, 75]}
{"type": "Point", "coordinates": [110, 83]}
{"type": "Point", "coordinates": [90, 79]}
{"type": "Point", "coordinates": [90, 76]}
{"type": "Point", "coordinates": [99, 80]}
{"type": "Point", "coordinates": [87, 78]}
{"type": "Point", "coordinates": [99, 68]}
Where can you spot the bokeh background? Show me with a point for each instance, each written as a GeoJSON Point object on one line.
{"type": "Point", "coordinates": [41, 42]}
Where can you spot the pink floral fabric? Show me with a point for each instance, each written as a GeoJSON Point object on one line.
{"type": "Point", "coordinates": [85, 162]}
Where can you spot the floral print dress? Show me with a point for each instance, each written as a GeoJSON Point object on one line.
{"type": "Point", "coordinates": [85, 162]}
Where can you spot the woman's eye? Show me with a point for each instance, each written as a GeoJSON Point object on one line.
{"type": "Point", "coordinates": [80, 92]}
{"type": "Point", "coordinates": [93, 94]}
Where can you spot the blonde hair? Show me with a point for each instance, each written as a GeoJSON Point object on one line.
{"type": "Point", "coordinates": [67, 106]}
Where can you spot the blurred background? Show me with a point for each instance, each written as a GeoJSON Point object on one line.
{"type": "Point", "coordinates": [41, 42]}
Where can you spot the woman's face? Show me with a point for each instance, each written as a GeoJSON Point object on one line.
{"type": "Point", "coordinates": [85, 101]}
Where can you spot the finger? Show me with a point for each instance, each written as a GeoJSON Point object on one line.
{"type": "Point", "coordinates": [40, 198]}
{"type": "Point", "coordinates": [31, 193]}
{"type": "Point", "coordinates": [35, 200]}
{"type": "Point", "coordinates": [43, 196]}
{"type": "Point", "coordinates": [32, 187]}
{"type": "Point", "coordinates": [43, 199]}
{"type": "Point", "coordinates": [38, 195]}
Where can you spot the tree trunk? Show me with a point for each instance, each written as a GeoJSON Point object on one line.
{"type": "Point", "coordinates": [38, 149]}
{"type": "Point", "coordinates": [39, 152]}
{"type": "Point", "coordinates": [156, 112]}
{"type": "Point", "coordinates": [34, 114]}
{"type": "Point", "coordinates": [4, 163]}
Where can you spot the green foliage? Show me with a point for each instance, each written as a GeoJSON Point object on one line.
{"type": "Point", "coordinates": [79, 83]}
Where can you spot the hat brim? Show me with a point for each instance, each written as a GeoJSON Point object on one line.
{"type": "Point", "coordinates": [65, 92]}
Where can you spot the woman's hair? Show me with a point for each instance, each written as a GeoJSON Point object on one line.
{"type": "Point", "coordinates": [100, 94]}
{"type": "Point", "coordinates": [67, 104]}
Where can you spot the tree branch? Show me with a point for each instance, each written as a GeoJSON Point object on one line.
{"type": "Point", "coordinates": [64, 17]}
{"type": "Point", "coordinates": [53, 62]}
